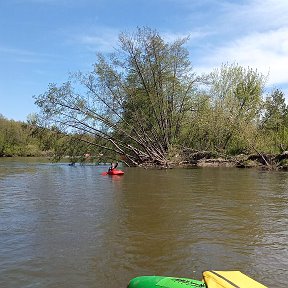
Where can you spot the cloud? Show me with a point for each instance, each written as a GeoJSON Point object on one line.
{"type": "Point", "coordinates": [106, 39]}
{"type": "Point", "coordinates": [102, 40]}
{"type": "Point", "coordinates": [192, 35]}
{"type": "Point", "coordinates": [252, 34]}
{"type": "Point", "coordinates": [18, 55]}
{"type": "Point", "coordinates": [260, 14]}
{"type": "Point", "coordinates": [264, 51]}
{"type": "Point", "coordinates": [24, 56]}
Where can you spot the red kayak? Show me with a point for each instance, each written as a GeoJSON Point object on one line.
{"type": "Point", "coordinates": [113, 172]}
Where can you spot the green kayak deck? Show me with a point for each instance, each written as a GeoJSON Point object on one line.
{"type": "Point", "coordinates": [167, 282]}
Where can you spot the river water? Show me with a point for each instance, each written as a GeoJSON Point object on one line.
{"type": "Point", "coordinates": [63, 226]}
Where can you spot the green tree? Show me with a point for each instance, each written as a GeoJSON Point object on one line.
{"type": "Point", "coordinates": [274, 123]}
{"type": "Point", "coordinates": [15, 139]}
{"type": "Point", "coordinates": [236, 102]}
{"type": "Point", "coordinates": [136, 99]}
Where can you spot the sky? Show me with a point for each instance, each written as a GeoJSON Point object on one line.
{"type": "Point", "coordinates": [42, 41]}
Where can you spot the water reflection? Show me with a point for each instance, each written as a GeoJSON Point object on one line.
{"type": "Point", "coordinates": [66, 226]}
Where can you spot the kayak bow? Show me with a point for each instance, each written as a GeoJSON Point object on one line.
{"type": "Point", "coordinates": [113, 172]}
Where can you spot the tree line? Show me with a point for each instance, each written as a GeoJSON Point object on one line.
{"type": "Point", "coordinates": [27, 139]}
{"type": "Point", "coordinates": [16, 140]}
{"type": "Point", "coordinates": [144, 103]}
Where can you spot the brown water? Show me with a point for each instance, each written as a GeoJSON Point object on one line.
{"type": "Point", "coordinates": [63, 226]}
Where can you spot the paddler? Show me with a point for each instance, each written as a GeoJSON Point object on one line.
{"type": "Point", "coordinates": [112, 166]}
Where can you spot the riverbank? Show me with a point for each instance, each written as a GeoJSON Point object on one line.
{"type": "Point", "coordinates": [259, 160]}
{"type": "Point", "coordinates": [190, 159]}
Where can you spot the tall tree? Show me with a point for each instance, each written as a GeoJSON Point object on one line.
{"type": "Point", "coordinates": [236, 101]}
{"type": "Point", "coordinates": [136, 99]}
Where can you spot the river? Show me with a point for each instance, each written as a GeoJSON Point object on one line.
{"type": "Point", "coordinates": [64, 226]}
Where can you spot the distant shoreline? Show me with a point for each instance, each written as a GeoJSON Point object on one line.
{"type": "Point", "coordinates": [198, 159]}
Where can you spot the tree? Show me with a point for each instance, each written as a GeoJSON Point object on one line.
{"type": "Point", "coordinates": [136, 99]}
{"type": "Point", "coordinates": [15, 139]}
{"type": "Point", "coordinates": [275, 120]}
{"type": "Point", "coordinates": [236, 100]}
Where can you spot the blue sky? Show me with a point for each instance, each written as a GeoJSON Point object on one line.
{"type": "Point", "coordinates": [42, 41]}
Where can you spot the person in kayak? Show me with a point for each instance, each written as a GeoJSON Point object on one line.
{"type": "Point", "coordinates": [112, 166]}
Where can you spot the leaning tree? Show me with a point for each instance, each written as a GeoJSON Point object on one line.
{"type": "Point", "coordinates": [133, 102]}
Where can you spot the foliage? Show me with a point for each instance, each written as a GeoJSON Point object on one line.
{"type": "Point", "coordinates": [227, 111]}
{"type": "Point", "coordinates": [236, 97]}
{"type": "Point", "coordinates": [136, 100]}
{"type": "Point", "coordinates": [274, 124]}
{"type": "Point", "coordinates": [29, 139]}
{"type": "Point", "coordinates": [144, 103]}
{"type": "Point", "coordinates": [15, 139]}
